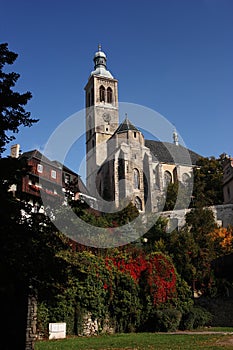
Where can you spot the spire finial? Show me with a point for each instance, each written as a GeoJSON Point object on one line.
{"type": "Point", "coordinates": [175, 137]}
{"type": "Point", "coordinates": [126, 119]}
{"type": "Point", "coordinates": [99, 47]}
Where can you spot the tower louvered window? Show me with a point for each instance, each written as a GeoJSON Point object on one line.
{"type": "Point", "coordinates": [109, 95]}
{"type": "Point", "coordinates": [102, 93]}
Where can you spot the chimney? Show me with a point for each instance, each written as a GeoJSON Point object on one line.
{"type": "Point", "coordinates": [15, 149]}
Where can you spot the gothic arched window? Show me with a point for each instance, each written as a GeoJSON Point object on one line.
{"type": "Point", "coordinates": [167, 178]}
{"type": "Point", "coordinates": [102, 93]}
{"type": "Point", "coordinates": [138, 203]}
{"type": "Point", "coordinates": [109, 95]}
{"type": "Point", "coordinates": [136, 179]}
{"type": "Point", "coordinates": [185, 179]}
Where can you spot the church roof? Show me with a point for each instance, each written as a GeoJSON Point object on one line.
{"type": "Point", "coordinates": [166, 152]}
{"type": "Point", "coordinates": [126, 125]}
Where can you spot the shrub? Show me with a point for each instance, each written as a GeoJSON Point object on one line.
{"type": "Point", "coordinates": [195, 318]}
{"type": "Point", "coordinates": [166, 320]}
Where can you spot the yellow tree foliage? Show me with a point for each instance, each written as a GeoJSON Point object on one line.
{"type": "Point", "coordinates": [223, 239]}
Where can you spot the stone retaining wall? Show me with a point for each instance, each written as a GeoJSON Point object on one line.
{"type": "Point", "coordinates": [223, 215]}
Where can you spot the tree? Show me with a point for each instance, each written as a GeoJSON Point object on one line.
{"type": "Point", "coordinates": [208, 175]}
{"type": "Point", "coordinates": [14, 233]}
{"type": "Point", "coordinates": [201, 223]}
{"type": "Point", "coordinates": [12, 112]}
{"type": "Point", "coordinates": [223, 240]}
{"type": "Point", "coordinates": [178, 195]}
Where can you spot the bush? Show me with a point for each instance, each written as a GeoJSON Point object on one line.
{"type": "Point", "coordinates": [166, 320]}
{"type": "Point", "coordinates": [195, 318]}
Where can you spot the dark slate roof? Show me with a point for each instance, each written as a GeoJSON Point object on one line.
{"type": "Point", "coordinates": [126, 125]}
{"type": "Point", "coordinates": [38, 155]}
{"type": "Point", "coordinates": [170, 153]}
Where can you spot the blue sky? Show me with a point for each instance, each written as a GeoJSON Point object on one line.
{"type": "Point", "coordinates": [174, 56]}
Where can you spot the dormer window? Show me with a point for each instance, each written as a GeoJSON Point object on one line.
{"type": "Point", "coordinates": [102, 93]}
{"type": "Point", "coordinates": [109, 95]}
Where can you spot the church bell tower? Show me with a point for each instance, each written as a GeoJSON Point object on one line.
{"type": "Point", "coordinates": [102, 116]}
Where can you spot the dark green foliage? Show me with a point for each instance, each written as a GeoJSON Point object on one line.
{"type": "Point", "coordinates": [165, 320]}
{"type": "Point", "coordinates": [15, 230]}
{"type": "Point", "coordinates": [92, 288]}
{"type": "Point", "coordinates": [178, 196]}
{"type": "Point", "coordinates": [43, 319]}
{"type": "Point", "coordinates": [195, 318]}
{"type": "Point", "coordinates": [201, 223]}
{"type": "Point", "coordinates": [125, 307]}
{"type": "Point", "coordinates": [12, 112]}
{"type": "Point", "coordinates": [96, 218]}
{"type": "Point", "coordinates": [208, 176]}
{"type": "Point", "coordinates": [157, 237]}
{"type": "Point", "coordinates": [206, 189]}
{"type": "Point", "coordinates": [191, 248]}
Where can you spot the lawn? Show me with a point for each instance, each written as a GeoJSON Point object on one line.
{"type": "Point", "coordinates": [141, 341]}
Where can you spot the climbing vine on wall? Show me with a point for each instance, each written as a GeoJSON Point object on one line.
{"type": "Point", "coordinates": [122, 285]}
{"type": "Point", "coordinates": [156, 268]}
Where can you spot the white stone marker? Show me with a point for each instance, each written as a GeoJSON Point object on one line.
{"type": "Point", "coordinates": [57, 330]}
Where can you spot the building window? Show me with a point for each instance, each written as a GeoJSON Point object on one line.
{"type": "Point", "coordinates": [67, 178]}
{"type": "Point", "coordinates": [138, 203]}
{"type": "Point", "coordinates": [88, 99]}
{"type": "Point", "coordinates": [53, 174]}
{"type": "Point", "coordinates": [121, 169]}
{"type": "Point", "coordinates": [156, 177]}
{"type": "Point", "coordinates": [40, 168]}
{"type": "Point", "coordinates": [102, 93]}
{"type": "Point", "coordinates": [92, 97]}
{"type": "Point", "coordinates": [185, 179]}
{"type": "Point", "coordinates": [109, 95]}
{"type": "Point", "coordinates": [135, 134]}
{"type": "Point", "coordinates": [136, 179]}
{"type": "Point", "coordinates": [167, 178]}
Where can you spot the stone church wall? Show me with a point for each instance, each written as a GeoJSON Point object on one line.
{"type": "Point", "coordinates": [223, 215]}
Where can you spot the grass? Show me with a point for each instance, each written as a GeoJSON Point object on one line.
{"type": "Point", "coordinates": [219, 329]}
{"type": "Point", "coordinates": [141, 341]}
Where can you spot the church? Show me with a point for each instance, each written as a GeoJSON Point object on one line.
{"type": "Point", "coordinates": [120, 163]}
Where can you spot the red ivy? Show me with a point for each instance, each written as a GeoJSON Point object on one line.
{"type": "Point", "coordinates": [158, 271]}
